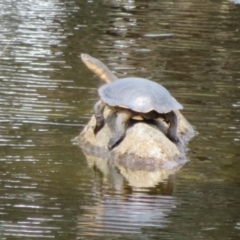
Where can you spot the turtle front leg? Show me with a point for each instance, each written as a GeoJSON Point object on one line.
{"type": "Point", "coordinates": [120, 128]}
{"type": "Point", "coordinates": [171, 117]}
{"type": "Point", "coordinates": [98, 113]}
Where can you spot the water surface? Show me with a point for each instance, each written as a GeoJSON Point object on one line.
{"type": "Point", "coordinates": [48, 188]}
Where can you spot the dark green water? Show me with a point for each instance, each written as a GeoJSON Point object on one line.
{"type": "Point", "coordinates": [48, 190]}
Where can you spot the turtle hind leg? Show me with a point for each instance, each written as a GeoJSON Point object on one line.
{"type": "Point", "coordinates": [120, 128]}
{"type": "Point", "coordinates": [98, 113]}
{"type": "Point", "coordinates": [171, 117]}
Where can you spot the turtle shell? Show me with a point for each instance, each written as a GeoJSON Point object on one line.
{"type": "Point", "coordinates": [138, 94]}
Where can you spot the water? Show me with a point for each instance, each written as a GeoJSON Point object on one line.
{"type": "Point", "coordinates": [48, 188]}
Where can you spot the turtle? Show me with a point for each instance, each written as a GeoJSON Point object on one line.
{"type": "Point", "coordinates": [136, 98]}
{"type": "Point", "coordinates": [132, 98]}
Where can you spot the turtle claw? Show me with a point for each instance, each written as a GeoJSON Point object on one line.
{"type": "Point", "coordinates": [111, 144]}
{"type": "Point", "coordinates": [95, 131]}
{"type": "Point", "coordinates": [99, 125]}
{"type": "Point", "coordinates": [173, 138]}
{"type": "Point", "coordinates": [114, 140]}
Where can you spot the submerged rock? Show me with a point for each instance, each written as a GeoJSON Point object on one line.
{"type": "Point", "coordinates": [144, 148]}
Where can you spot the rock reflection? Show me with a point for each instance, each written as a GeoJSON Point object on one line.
{"type": "Point", "coordinates": [128, 201]}
{"type": "Point", "coordinates": [119, 176]}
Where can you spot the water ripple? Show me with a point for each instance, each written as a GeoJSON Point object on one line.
{"type": "Point", "coordinates": [48, 190]}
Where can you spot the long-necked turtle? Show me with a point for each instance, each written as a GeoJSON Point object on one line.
{"type": "Point", "coordinates": [132, 97]}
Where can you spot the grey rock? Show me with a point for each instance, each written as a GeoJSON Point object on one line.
{"type": "Point", "coordinates": [144, 148]}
